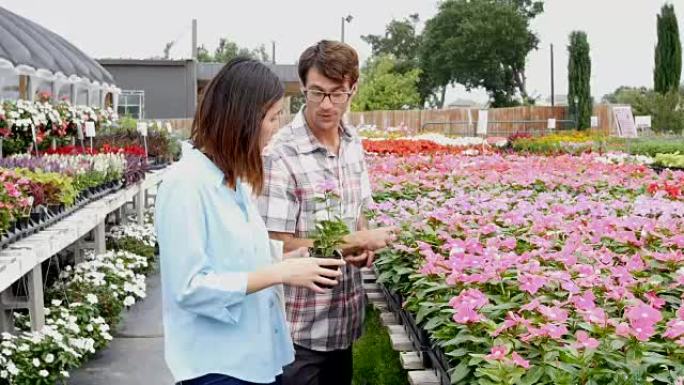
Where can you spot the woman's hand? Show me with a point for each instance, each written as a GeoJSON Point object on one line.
{"type": "Point", "coordinates": [310, 272]}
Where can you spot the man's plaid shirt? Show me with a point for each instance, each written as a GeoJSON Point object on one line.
{"type": "Point", "coordinates": [295, 164]}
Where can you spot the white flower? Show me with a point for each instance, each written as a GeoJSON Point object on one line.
{"type": "Point", "coordinates": [91, 298]}
{"type": "Point", "coordinates": [129, 301]}
{"type": "Point", "coordinates": [90, 328]}
{"type": "Point", "coordinates": [64, 374]}
{"type": "Point", "coordinates": [56, 302]}
{"type": "Point", "coordinates": [8, 344]}
{"type": "Point", "coordinates": [6, 352]}
{"type": "Point", "coordinates": [3, 374]}
{"type": "Point", "coordinates": [24, 348]}
{"type": "Point", "coordinates": [36, 362]}
{"type": "Point", "coordinates": [49, 358]}
{"type": "Point", "coordinates": [12, 369]}
{"type": "Point", "coordinates": [43, 373]}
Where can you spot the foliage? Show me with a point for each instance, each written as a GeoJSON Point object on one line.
{"type": "Point", "coordinates": [579, 80]}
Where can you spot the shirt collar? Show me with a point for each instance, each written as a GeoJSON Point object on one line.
{"type": "Point", "coordinates": [306, 141]}
{"type": "Point", "coordinates": [205, 168]}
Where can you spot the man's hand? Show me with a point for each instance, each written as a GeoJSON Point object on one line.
{"type": "Point", "coordinates": [371, 240]}
{"type": "Point", "coordinates": [366, 259]}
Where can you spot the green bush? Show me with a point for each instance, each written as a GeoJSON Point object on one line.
{"type": "Point", "coordinates": [648, 146]}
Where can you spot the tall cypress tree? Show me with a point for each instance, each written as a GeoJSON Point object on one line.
{"type": "Point", "coordinates": [579, 76]}
{"type": "Point", "coordinates": [668, 55]}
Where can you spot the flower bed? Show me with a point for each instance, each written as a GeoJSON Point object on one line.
{"type": "Point", "coordinates": [85, 304]}
{"type": "Point", "coordinates": [51, 122]}
{"type": "Point", "coordinates": [40, 190]}
{"type": "Point", "coordinates": [538, 270]}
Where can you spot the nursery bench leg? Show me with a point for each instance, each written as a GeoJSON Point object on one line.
{"type": "Point", "coordinates": [36, 301]}
{"type": "Point", "coordinates": [140, 207]}
{"type": "Point", "coordinates": [99, 236]}
{"type": "Point", "coordinates": [6, 318]}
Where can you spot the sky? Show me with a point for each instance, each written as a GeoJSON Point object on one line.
{"type": "Point", "coordinates": [622, 33]}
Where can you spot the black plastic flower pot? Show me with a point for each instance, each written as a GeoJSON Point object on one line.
{"type": "Point", "coordinates": [336, 255]}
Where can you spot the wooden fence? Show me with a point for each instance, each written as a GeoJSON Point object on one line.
{"type": "Point", "coordinates": [455, 121]}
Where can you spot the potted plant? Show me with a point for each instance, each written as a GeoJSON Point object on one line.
{"type": "Point", "coordinates": [330, 229]}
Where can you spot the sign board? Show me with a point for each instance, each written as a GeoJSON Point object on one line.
{"type": "Point", "coordinates": [625, 121]}
{"type": "Point", "coordinates": [551, 124]}
{"type": "Point", "coordinates": [594, 121]}
{"type": "Point", "coordinates": [482, 122]}
{"type": "Point", "coordinates": [89, 129]}
{"type": "Point", "coordinates": [142, 128]}
{"type": "Point", "coordinates": [643, 122]}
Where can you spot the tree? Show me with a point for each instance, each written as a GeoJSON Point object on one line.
{"type": "Point", "coordinates": [228, 50]}
{"type": "Point", "coordinates": [383, 88]}
{"type": "Point", "coordinates": [479, 43]}
{"type": "Point", "coordinates": [638, 98]}
{"type": "Point", "coordinates": [203, 54]}
{"type": "Point", "coordinates": [400, 40]}
{"type": "Point", "coordinates": [579, 78]}
{"type": "Point", "coordinates": [668, 52]}
{"type": "Point", "coordinates": [666, 110]}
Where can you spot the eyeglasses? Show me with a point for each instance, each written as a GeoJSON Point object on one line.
{"type": "Point", "coordinates": [337, 97]}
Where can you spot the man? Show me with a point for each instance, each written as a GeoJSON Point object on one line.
{"type": "Point", "coordinates": [318, 148]}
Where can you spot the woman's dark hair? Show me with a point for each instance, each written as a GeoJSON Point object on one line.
{"type": "Point", "coordinates": [227, 124]}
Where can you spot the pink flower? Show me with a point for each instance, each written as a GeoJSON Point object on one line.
{"type": "Point", "coordinates": [533, 305]}
{"type": "Point", "coordinates": [531, 283]}
{"type": "Point", "coordinates": [327, 185]}
{"type": "Point", "coordinates": [654, 300]}
{"type": "Point", "coordinates": [643, 332]}
{"type": "Point", "coordinates": [518, 360]}
{"type": "Point", "coordinates": [555, 331]}
{"type": "Point", "coordinates": [584, 341]}
{"type": "Point", "coordinates": [680, 279]}
{"type": "Point", "coordinates": [622, 330]}
{"type": "Point", "coordinates": [466, 304]}
{"type": "Point", "coordinates": [554, 313]}
{"type": "Point", "coordinates": [595, 315]}
{"type": "Point", "coordinates": [675, 329]}
{"type": "Point", "coordinates": [12, 190]}
{"type": "Point", "coordinates": [643, 315]}
{"type": "Point", "coordinates": [511, 321]}
{"type": "Point", "coordinates": [635, 264]}
{"type": "Point", "coordinates": [498, 353]}
{"type": "Point", "coordinates": [466, 315]}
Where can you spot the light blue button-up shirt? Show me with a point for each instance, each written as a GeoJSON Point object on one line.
{"type": "Point", "coordinates": [210, 236]}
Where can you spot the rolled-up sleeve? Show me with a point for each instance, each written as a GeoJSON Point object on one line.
{"type": "Point", "coordinates": [278, 203]}
{"type": "Point", "coordinates": [186, 269]}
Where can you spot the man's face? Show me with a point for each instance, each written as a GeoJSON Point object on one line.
{"type": "Point", "coordinates": [326, 114]}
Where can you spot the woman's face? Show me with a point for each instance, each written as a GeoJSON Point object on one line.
{"type": "Point", "coordinates": [271, 122]}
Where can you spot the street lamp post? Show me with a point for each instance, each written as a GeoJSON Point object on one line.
{"type": "Point", "coordinates": [347, 19]}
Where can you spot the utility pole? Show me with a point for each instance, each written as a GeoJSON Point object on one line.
{"type": "Point", "coordinates": [194, 39]}
{"type": "Point", "coordinates": [273, 51]}
{"type": "Point", "coordinates": [347, 19]}
{"type": "Point", "coordinates": [553, 86]}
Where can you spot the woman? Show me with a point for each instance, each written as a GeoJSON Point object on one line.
{"type": "Point", "coordinates": [223, 322]}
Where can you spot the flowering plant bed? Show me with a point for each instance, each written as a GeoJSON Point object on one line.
{"type": "Point", "coordinates": [538, 270]}
{"type": "Point", "coordinates": [85, 304]}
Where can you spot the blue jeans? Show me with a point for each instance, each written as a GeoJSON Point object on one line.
{"type": "Point", "coordinates": [220, 379]}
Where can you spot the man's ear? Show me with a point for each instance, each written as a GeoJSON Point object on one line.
{"type": "Point", "coordinates": [354, 88]}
